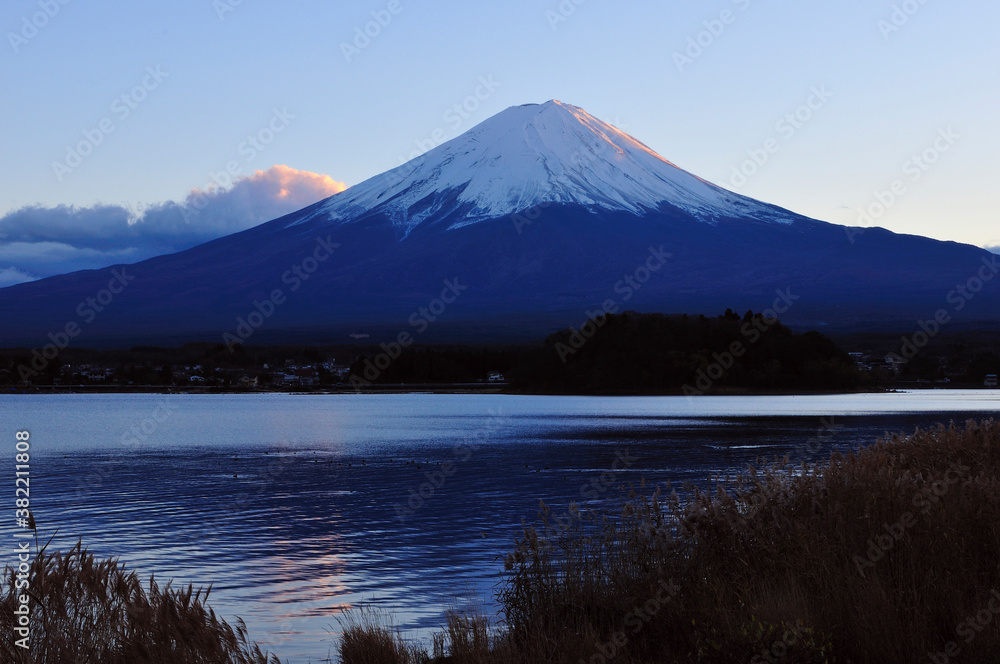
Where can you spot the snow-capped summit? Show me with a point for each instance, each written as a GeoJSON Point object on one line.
{"type": "Point", "coordinates": [535, 154]}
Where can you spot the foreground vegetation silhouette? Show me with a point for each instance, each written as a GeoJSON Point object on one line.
{"type": "Point", "coordinates": [886, 554]}
{"type": "Point", "coordinates": [84, 609]}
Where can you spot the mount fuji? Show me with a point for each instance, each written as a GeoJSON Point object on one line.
{"type": "Point", "coordinates": [528, 222]}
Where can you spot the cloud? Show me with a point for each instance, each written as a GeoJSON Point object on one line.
{"type": "Point", "coordinates": [11, 275]}
{"type": "Point", "coordinates": [38, 241]}
{"type": "Point", "coordinates": [260, 197]}
{"type": "Point", "coordinates": [995, 248]}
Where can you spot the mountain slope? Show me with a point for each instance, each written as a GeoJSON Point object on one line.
{"type": "Point", "coordinates": [542, 214]}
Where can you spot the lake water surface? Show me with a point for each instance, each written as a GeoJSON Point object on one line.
{"type": "Point", "coordinates": [296, 507]}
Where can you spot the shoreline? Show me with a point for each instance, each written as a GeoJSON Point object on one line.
{"type": "Point", "coordinates": [457, 388]}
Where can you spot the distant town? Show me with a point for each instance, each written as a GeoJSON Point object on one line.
{"type": "Point", "coordinates": [559, 364]}
{"type": "Point", "coordinates": [892, 368]}
{"type": "Point", "coordinates": [290, 374]}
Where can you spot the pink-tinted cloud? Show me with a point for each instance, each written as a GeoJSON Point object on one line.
{"type": "Point", "coordinates": [266, 194]}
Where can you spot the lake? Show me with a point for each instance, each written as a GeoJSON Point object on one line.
{"type": "Point", "coordinates": [296, 507]}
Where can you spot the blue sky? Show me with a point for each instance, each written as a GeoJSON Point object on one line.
{"type": "Point", "coordinates": [819, 107]}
